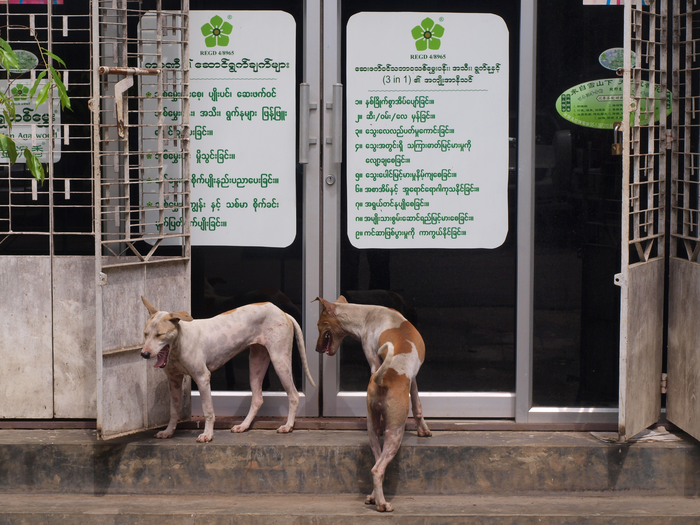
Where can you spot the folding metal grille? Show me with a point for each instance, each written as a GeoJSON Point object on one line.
{"type": "Point", "coordinates": [144, 202]}
{"type": "Point", "coordinates": [647, 156]}
{"type": "Point", "coordinates": [645, 107]}
{"type": "Point", "coordinates": [685, 187]}
{"type": "Point", "coordinates": [55, 217]}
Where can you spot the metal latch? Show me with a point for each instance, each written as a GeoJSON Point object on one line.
{"type": "Point", "coordinates": [121, 87]}
{"type": "Point", "coordinates": [617, 139]}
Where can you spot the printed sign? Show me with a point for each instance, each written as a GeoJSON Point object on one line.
{"type": "Point", "coordinates": [30, 128]}
{"type": "Point", "coordinates": [242, 127]}
{"type": "Point", "coordinates": [598, 103]}
{"type": "Point", "coordinates": [427, 130]}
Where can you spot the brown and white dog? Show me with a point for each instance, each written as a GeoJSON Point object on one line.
{"type": "Point", "coordinates": [386, 334]}
{"type": "Point", "coordinates": [184, 346]}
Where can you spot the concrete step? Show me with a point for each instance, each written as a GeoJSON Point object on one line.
{"type": "Point", "coordinates": [63, 509]}
{"type": "Point", "coordinates": [338, 462]}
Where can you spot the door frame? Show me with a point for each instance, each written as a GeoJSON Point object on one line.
{"type": "Point", "coordinates": [436, 404]}
{"type": "Point", "coordinates": [321, 66]}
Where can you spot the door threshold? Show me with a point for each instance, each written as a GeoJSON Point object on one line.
{"type": "Point", "coordinates": [333, 423]}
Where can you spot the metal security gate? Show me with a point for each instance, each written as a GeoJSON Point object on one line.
{"type": "Point", "coordinates": [139, 251]}
{"type": "Point", "coordinates": [661, 219]}
{"type": "Point", "coordinates": [683, 408]}
{"type": "Point", "coordinates": [46, 229]}
{"type": "Point", "coordinates": [643, 216]}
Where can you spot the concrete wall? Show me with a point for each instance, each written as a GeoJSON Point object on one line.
{"type": "Point", "coordinates": [47, 337]}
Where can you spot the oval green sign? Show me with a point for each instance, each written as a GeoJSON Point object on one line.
{"type": "Point", "coordinates": [27, 61]}
{"type": "Point", "coordinates": [598, 103]}
{"type": "Point", "coordinates": [613, 58]}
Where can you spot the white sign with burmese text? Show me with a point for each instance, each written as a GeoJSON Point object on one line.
{"type": "Point", "coordinates": [427, 130]}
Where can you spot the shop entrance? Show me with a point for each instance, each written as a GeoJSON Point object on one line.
{"type": "Point", "coordinates": [462, 298]}
{"type": "Point", "coordinates": [451, 179]}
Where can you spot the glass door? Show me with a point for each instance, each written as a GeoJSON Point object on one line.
{"type": "Point", "coordinates": [248, 205]}
{"type": "Point", "coordinates": [421, 213]}
{"type": "Point", "coordinates": [414, 186]}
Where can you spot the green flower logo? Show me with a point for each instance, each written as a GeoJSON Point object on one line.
{"type": "Point", "coordinates": [216, 32]}
{"type": "Point", "coordinates": [427, 35]}
{"type": "Point", "coordinates": [20, 92]}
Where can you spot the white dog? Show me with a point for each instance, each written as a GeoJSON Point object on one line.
{"type": "Point", "coordinates": [184, 346]}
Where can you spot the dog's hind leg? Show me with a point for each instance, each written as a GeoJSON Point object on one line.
{"type": "Point", "coordinates": [258, 361]}
{"type": "Point", "coordinates": [392, 441]}
{"type": "Point", "coordinates": [175, 387]}
{"type": "Point", "coordinates": [421, 425]}
{"type": "Point", "coordinates": [374, 431]}
{"type": "Point", "coordinates": [283, 366]}
{"type": "Point", "coordinates": [392, 402]}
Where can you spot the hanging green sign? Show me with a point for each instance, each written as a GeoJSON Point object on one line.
{"type": "Point", "coordinates": [598, 103]}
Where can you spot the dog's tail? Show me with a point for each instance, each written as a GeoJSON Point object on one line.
{"type": "Point", "coordinates": [302, 349]}
{"type": "Point", "coordinates": [378, 376]}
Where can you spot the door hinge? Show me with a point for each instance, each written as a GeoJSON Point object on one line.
{"type": "Point", "coordinates": [664, 382]}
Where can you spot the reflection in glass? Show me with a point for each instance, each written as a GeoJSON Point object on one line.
{"type": "Point", "coordinates": [577, 216]}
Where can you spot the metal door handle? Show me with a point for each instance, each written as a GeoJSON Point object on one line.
{"type": "Point", "coordinates": [337, 129]}
{"type": "Point", "coordinates": [305, 108]}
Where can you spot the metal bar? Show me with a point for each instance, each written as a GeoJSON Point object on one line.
{"type": "Point", "coordinates": [304, 116]}
{"type": "Point", "coordinates": [94, 105]}
{"type": "Point", "coordinates": [337, 123]}
{"type": "Point", "coordinates": [526, 212]}
{"type": "Point", "coordinates": [105, 70]}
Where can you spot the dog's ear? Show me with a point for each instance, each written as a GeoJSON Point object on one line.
{"type": "Point", "coordinates": [341, 299]}
{"type": "Point", "coordinates": [328, 307]}
{"type": "Point", "coordinates": [180, 316]}
{"type": "Point", "coordinates": [151, 309]}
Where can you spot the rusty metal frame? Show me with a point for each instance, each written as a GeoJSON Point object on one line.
{"type": "Point", "coordinates": [129, 231]}
{"type": "Point", "coordinates": [685, 162]}
{"type": "Point", "coordinates": [643, 247]}
{"type": "Point", "coordinates": [59, 194]}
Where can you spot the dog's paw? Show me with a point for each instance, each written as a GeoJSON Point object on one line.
{"type": "Point", "coordinates": [385, 507]}
{"type": "Point", "coordinates": [424, 432]}
{"type": "Point", "coordinates": [204, 438]}
{"type": "Point", "coordinates": [369, 500]}
{"type": "Point", "coordinates": [164, 435]}
{"type": "Point", "coordinates": [238, 429]}
{"type": "Point", "coordinates": [285, 429]}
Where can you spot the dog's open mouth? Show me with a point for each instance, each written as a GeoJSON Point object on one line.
{"type": "Point", "coordinates": [327, 340]}
{"type": "Point", "coordinates": [162, 357]}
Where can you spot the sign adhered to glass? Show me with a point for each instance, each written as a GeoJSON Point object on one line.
{"type": "Point", "coordinates": [427, 130]}
{"type": "Point", "coordinates": [30, 128]}
{"type": "Point", "coordinates": [598, 103]}
{"type": "Point", "coordinates": [242, 127]}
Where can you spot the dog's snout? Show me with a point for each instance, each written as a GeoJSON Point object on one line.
{"type": "Point", "coordinates": [146, 355]}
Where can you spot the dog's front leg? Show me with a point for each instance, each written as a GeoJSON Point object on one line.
{"type": "Point", "coordinates": [204, 385]}
{"type": "Point", "coordinates": [175, 387]}
{"type": "Point", "coordinates": [421, 425]}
